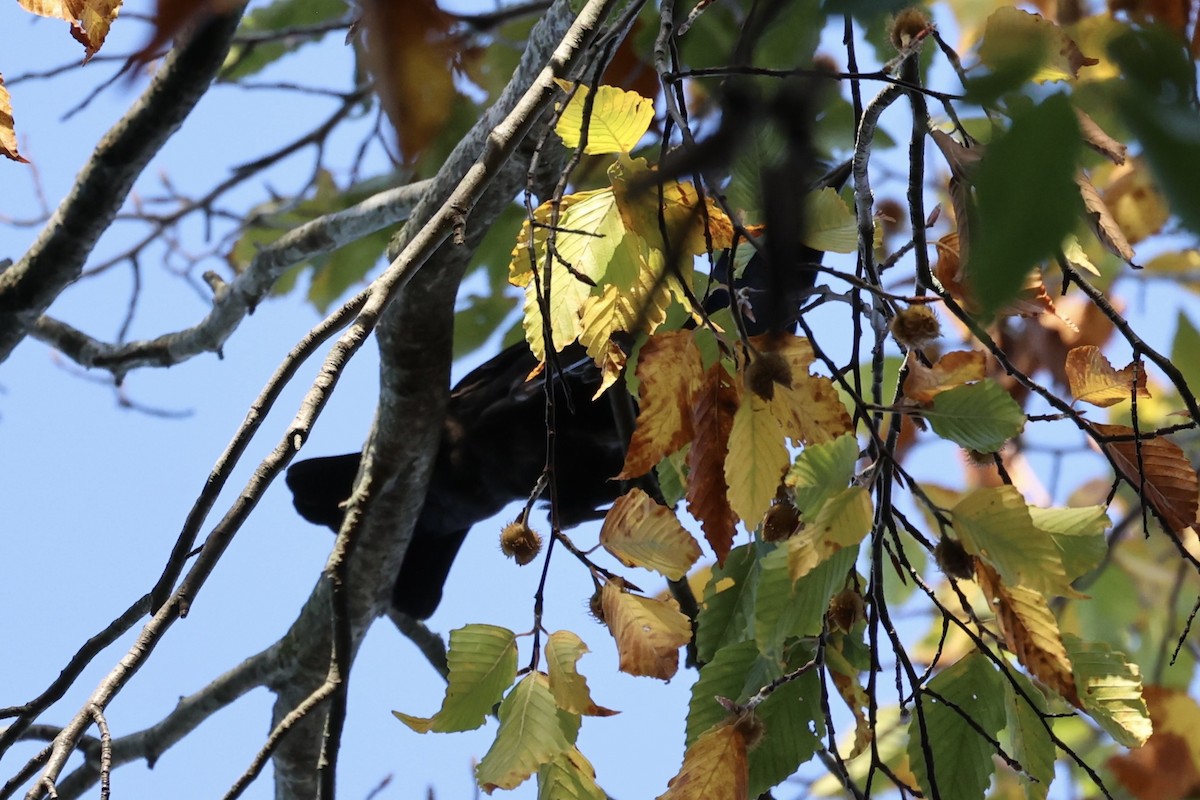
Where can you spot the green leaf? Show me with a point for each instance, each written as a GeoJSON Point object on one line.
{"type": "Point", "coordinates": [792, 724]}
{"type": "Point", "coordinates": [725, 618]}
{"type": "Point", "coordinates": [1110, 688]}
{"type": "Point", "coordinates": [244, 60]}
{"type": "Point", "coordinates": [962, 758]}
{"type": "Point", "coordinates": [821, 472]}
{"type": "Point", "coordinates": [569, 776]}
{"type": "Point", "coordinates": [1185, 351]}
{"type": "Point", "coordinates": [1078, 533]}
{"type": "Point", "coordinates": [619, 120]}
{"type": "Point", "coordinates": [785, 610]}
{"type": "Point", "coordinates": [1028, 740]}
{"type": "Point", "coordinates": [1027, 201]}
{"type": "Point", "coordinates": [995, 524]}
{"type": "Point", "coordinates": [724, 676]}
{"type": "Point", "coordinates": [978, 416]}
{"type": "Point", "coordinates": [1155, 102]}
{"type": "Point", "coordinates": [843, 521]}
{"type": "Point", "coordinates": [483, 663]}
{"type": "Point", "coordinates": [830, 226]}
{"type": "Point", "coordinates": [530, 735]}
{"type": "Point", "coordinates": [672, 475]}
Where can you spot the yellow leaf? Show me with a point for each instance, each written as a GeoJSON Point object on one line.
{"type": "Point", "coordinates": [757, 459]}
{"type": "Point", "coordinates": [619, 119]}
{"type": "Point", "coordinates": [1135, 201]}
{"type": "Point", "coordinates": [1093, 379]}
{"type": "Point", "coordinates": [8, 134]}
{"type": "Point", "coordinates": [570, 689]}
{"type": "Point", "coordinates": [843, 521]}
{"type": "Point", "coordinates": [830, 225]}
{"type": "Point", "coordinates": [529, 736]}
{"type": "Point", "coordinates": [669, 370]}
{"type": "Point", "coordinates": [641, 197]}
{"type": "Point", "coordinates": [715, 766]}
{"type": "Point", "coordinates": [1019, 41]}
{"type": "Point", "coordinates": [90, 19]}
{"type": "Point", "coordinates": [648, 632]}
{"type": "Point", "coordinates": [810, 409]}
{"type": "Point", "coordinates": [641, 533]}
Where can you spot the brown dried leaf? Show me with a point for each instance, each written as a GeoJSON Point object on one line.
{"type": "Point", "coordinates": [1030, 631]}
{"type": "Point", "coordinates": [1166, 767]}
{"type": "Point", "coordinates": [1171, 487]}
{"type": "Point", "coordinates": [715, 403]}
{"type": "Point", "coordinates": [1093, 379]}
{"type": "Point", "coordinates": [669, 371]}
{"type": "Point", "coordinates": [413, 57]}
{"type": "Point", "coordinates": [923, 383]}
{"type": "Point", "coordinates": [648, 632]}
{"type": "Point", "coordinates": [715, 766]}
{"type": "Point", "coordinates": [8, 134]}
{"type": "Point", "coordinates": [1095, 138]}
{"type": "Point", "coordinates": [1102, 222]}
{"type": "Point", "coordinates": [90, 19]}
{"type": "Point", "coordinates": [641, 533]}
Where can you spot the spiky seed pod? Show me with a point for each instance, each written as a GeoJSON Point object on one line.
{"type": "Point", "coordinates": [916, 326]}
{"type": "Point", "coordinates": [845, 609]}
{"type": "Point", "coordinates": [751, 728]}
{"type": "Point", "coordinates": [767, 369]}
{"type": "Point", "coordinates": [907, 25]}
{"type": "Point", "coordinates": [954, 560]}
{"type": "Point", "coordinates": [596, 607]}
{"type": "Point", "coordinates": [520, 542]}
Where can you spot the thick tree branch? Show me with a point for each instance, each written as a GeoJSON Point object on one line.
{"type": "Point", "coordinates": [29, 286]}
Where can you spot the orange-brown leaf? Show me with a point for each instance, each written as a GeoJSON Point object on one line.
{"type": "Point", "coordinates": [1166, 767]}
{"type": "Point", "coordinates": [90, 19]}
{"type": "Point", "coordinates": [1093, 379]}
{"type": "Point", "coordinates": [669, 370]}
{"type": "Point", "coordinates": [640, 532]}
{"type": "Point", "coordinates": [648, 632]}
{"type": "Point", "coordinates": [8, 135]}
{"type": "Point", "coordinates": [922, 383]}
{"type": "Point", "coordinates": [412, 56]}
{"type": "Point", "coordinates": [1030, 631]}
{"type": "Point", "coordinates": [716, 402]}
{"type": "Point", "coordinates": [1102, 222]}
{"type": "Point", "coordinates": [1171, 487]}
{"type": "Point", "coordinates": [715, 766]}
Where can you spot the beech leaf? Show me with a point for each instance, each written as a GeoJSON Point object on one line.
{"type": "Point", "coordinates": [714, 405]}
{"type": "Point", "coordinates": [714, 766]}
{"type": "Point", "coordinates": [8, 134]}
{"type": "Point", "coordinates": [1165, 474]}
{"type": "Point", "coordinates": [641, 533]}
{"type": "Point", "coordinates": [570, 689]}
{"type": "Point", "coordinates": [618, 121]}
{"type": "Point", "coordinates": [1093, 379]}
{"type": "Point", "coordinates": [648, 632]}
{"type": "Point", "coordinates": [669, 371]}
{"type": "Point", "coordinates": [530, 735]}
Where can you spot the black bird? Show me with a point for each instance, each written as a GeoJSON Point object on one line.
{"type": "Point", "coordinates": [492, 448]}
{"type": "Point", "coordinates": [492, 452]}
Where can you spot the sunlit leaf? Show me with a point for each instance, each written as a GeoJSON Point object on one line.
{"type": "Point", "coordinates": [714, 766]}
{"type": "Point", "coordinates": [1093, 379]}
{"type": "Point", "coordinates": [483, 663]}
{"type": "Point", "coordinates": [809, 410]}
{"type": "Point", "coordinates": [822, 471]}
{"type": "Point", "coordinates": [995, 524]}
{"type": "Point", "coordinates": [529, 736]}
{"type": "Point", "coordinates": [757, 459]}
{"type": "Point", "coordinates": [843, 521]}
{"type": "Point", "coordinates": [830, 225]}
{"type": "Point", "coordinates": [8, 134]}
{"type": "Point", "coordinates": [922, 383]}
{"type": "Point", "coordinates": [961, 757]}
{"type": "Point", "coordinates": [1077, 533]}
{"type": "Point", "coordinates": [1110, 688]}
{"type": "Point", "coordinates": [570, 689]}
{"type": "Point", "coordinates": [669, 371]}
{"type": "Point", "coordinates": [980, 416]}
{"type": "Point", "coordinates": [1017, 41]}
{"type": "Point", "coordinates": [90, 19]}
{"type": "Point", "coordinates": [648, 632]}
{"type": "Point", "coordinates": [618, 121]}
{"type": "Point", "coordinates": [1030, 631]}
{"type": "Point", "coordinates": [641, 533]}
